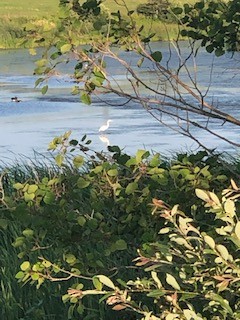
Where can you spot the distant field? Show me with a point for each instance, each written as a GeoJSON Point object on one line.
{"type": "Point", "coordinates": [28, 8]}
{"type": "Point", "coordinates": [40, 8]}
{"type": "Point", "coordinates": [14, 14]}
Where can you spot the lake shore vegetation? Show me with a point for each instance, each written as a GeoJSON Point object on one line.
{"type": "Point", "coordinates": [110, 235]}
{"type": "Point", "coordinates": [18, 17]}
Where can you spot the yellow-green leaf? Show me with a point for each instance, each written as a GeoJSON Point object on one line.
{"type": "Point", "coordinates": [191, 315]}
{"type": "Point", "coordinates": [28, 197]}
{"type": "Point", "coordinates": [237, 230]}
{"type": "Point", "coordinates": [202, 194]}
{"type": "Point", "coordinates": [164, 230]}
{"type": "Point", "coordinates": [32, 188]}
{"type": "Point", "coordinates": [112, 172]}
{"type": "Point", "coordinates": [25, 266]}
{"type": "Point", "coordinates": [97, 284]}
{"type": "Point", "coordinates": [106, 281]}
{"type": "Point", "coordinates": [131, 187]}
{"type": "Point", "coordinates": [18, 186]}
{"type": "Point", "coordinates": [172, 281]}
{"type": "Point", "coordinates": [209, 240]}
{"type": "Point", "coordinates": [65, 48]}
{"type": "Point", "coordinates": [229, 207]}
{"type": "Point", "coordinates": [44, 89]}
{"type": "Point", "coordinates": [78, 161]}
{"type": "Point", "coordinates": [222, 251]}
{"type": "Point", "coordinates": [59, 159]}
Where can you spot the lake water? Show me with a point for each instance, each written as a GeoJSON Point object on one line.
{"type": "Point", "coordinates": [32, 123]}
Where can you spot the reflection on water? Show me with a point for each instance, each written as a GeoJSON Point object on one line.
{"type": "Point", "coordinates": [104, 139]}
{"type": "Point", "coordinates": [33, 122]}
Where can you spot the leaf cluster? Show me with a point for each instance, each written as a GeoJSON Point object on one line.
{"type": "Point", "coordinates": [99, 209]}
{"type": "Point", "coordinates": [214, 23]}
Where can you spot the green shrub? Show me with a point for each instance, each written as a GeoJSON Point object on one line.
{"type": "Point", "coordinates": [91, 212]}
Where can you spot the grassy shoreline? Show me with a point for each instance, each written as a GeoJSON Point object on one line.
{"type": "Point", "coordinates": [16, 15]}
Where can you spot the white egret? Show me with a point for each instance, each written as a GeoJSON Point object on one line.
{"type": "Point", "coordinates": [105, 126]}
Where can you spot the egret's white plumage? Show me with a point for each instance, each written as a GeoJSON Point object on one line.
{"type": "Point", "coordinates": [105, 126]}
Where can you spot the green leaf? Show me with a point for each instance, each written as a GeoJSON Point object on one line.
{"type": "Point", "coordinates": [32, 188]}
{"type": "Point", "coordinates": [106, 281]}
{"type": "Point", "coordinates": [219, 52]}
{"type": "Point", "coordinates": [19, 275]}
{"type": "Point", "coordinates": [97, 284]}
{"type": "Point", "coordinates": [191, 315]}
{"type": "Point", "coordinates": [28, 197]}
{"type": "Point", "coordinates": [49, 198]}
{"type": "Point", "coordinates": [120, 245]}
{"type": "Point", "coordinates": [203, 195]}
{"type": "Point", "coordinates": [25, 266]}
{"type": "Point", "coordinates": [3, 224]}
{"type": "Point", "coordinates": [85, 97]}
{"type": "Point", "coordinates": [92, 224]}
{"type": "Point", "coordinates": [172, 281]}
{"type": "Point", "coordinates": [140, 155]}
{"type": "Point", "coordinates": [28, 233]}
{"type": "Point", "coordinates": [157, 56]}
{"type": "Point", "coordinates": [224, 303]}
{"type": "Point", "coordinates": [140, 62]}
{"type": "Point", "coordinates": [177, 10]}
{"type": "Point", "coordinates": [35, 276]}
{"type": "Point", "coordinates": [209, 240]}
{"type": "Point", "coordinates": [38, 81]}
{"type": "Point", "coordinates": [222, 251]}
{"type": "Point", "coordinates": [237, 230]}
{"type": "Point", "coordinates": [112, 172]}
{"type": "Point", "coordinates": [59, 159]}
{"type": "Point", "coordinates": [70, 258]}
{"type": "Point", "coordinates": [131, 188]}
{"type": "Point", "coordinates": [65, 48]}
{"type": "Point", "coordinates": [156, 293]}
{"type": "Point", "coordinates": [82, 183]}
{"type": "Point", "coordinates": [18, 186]}
{"type": "Point", "coordinates": [78, 161]}
{"type": "Point", "coordinates": [81, 221]}
{"type": "Point", "coordinates": [164, 230]}
{"type": "Point", "coordinates": [44, 89]}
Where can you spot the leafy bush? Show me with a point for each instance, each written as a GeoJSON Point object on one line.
{"type": "Point", "coordinates": [89, 215]}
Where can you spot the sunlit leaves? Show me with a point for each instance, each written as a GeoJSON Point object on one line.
{"type": "Point", "coordinates": [212, 22]}
{"type": "Point", "coordinates": [78, 161]}
{"type": "Point", "coordinates": [106, 281]}
{"type": "Point", "coordinates": [25, 266]}
{"type": "Point", "coordinates": [65, 48]}
{"type": "Point", "coordinates": [85, 97]}
{"type": "Point", "coordinates": [210, 241]}
{"type": "Point", "coordinates": [237, 230]}
{"type": "Point", "coordinates": [172, 281]}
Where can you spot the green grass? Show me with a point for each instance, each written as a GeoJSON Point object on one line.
{"type": "Point", "coordinates": [15, 14]}
{"type": "Point", "coordinates": [28, 8]}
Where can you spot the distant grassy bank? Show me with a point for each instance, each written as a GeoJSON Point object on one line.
{"type": "Point", "coordinates": [15, 14]}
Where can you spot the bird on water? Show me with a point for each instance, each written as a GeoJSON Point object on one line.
{"type": "Point", "coordinates": [105, 126]}
{"type": "Point", "coordinates": [15, 99]}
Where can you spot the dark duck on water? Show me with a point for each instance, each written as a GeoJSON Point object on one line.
{"type": "Point", "coordinates": [15, 99]}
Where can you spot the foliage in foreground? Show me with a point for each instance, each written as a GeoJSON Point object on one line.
{"type": "Point", "coordinates": [108, 225]}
